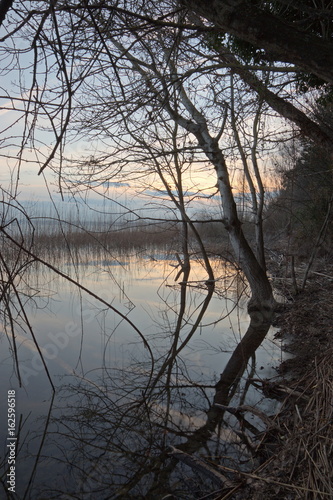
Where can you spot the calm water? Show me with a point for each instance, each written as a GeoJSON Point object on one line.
{"type": "Point", "coordinates": [96, 432]}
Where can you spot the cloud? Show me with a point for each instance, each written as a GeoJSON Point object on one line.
{"type": "Point", "coordinates": [109, 184]}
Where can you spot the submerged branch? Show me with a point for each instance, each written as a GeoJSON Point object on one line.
{"type": "Point", "coordinates": [199, 465]}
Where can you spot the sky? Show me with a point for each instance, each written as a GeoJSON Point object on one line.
{"type": "Point", "coordinates": [144, 196]}
{"type": "Point", "coordinates": [147, 197]}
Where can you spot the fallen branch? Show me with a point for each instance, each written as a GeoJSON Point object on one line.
{"type": "Point", "coordinates": [245, 408]}
{"type": "Point", "coordinates": [265, 385]}
{"type": "Point", "coordinates": [195, 463]}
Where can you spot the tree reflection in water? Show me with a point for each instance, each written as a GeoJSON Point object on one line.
{"type": "Point", "coordinates": [152, 427]}
{"type": "Point", "coordinates": [129, 435]}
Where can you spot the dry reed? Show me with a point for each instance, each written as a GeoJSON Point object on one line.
{"type": "Point", "coordinates": [302, 468]}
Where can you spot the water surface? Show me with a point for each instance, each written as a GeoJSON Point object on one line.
{"type": "Point", "coordinates": [101, 368]}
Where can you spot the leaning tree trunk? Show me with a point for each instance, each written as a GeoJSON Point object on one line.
{"type": "Point", "coordinates": [285, 41]}
{"type": "Point", "coordinates": [261, 290]}
{"type": "Point", "coordinates": [261, 304]}
{"type": "Point", "coordinates": [195, 123]}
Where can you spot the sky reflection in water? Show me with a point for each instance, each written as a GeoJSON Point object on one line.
{"type": "Point", "coordinates": [80, 337]}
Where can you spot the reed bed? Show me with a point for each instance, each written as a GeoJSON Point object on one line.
{"type": "Point", "coordinates": [56, 242]}
{"type": "Point", "coordinates": [119, 238]}
{"type": "Point", "coordinates": [301, 467]}
{"type": "Point", "coordinates": [310, 434]}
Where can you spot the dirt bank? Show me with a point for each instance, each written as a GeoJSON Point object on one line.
{"type": "Point", "coordinates": [301, 465]}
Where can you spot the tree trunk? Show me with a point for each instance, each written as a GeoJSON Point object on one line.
{"type": "Point", "coordinates": [282, 40]}
{"type": "Point", "coordinates": [232, 373]}
{"type": "Point", "coordinates": [261, 290]}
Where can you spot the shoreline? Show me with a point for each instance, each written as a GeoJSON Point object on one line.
{"type": "Point", "coordinates": [301, 453]}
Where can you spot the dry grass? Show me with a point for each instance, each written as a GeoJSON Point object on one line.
{"type": "Point", "coordinates": [302, 433]}
{"type": "Point", "coordinates": [73, 242]}
{"type": "Point", "coordinates": [302, 469]}
{"type": "Point", "coordinates": [300, 466]}
{"type": "Point", "coordinates": [314, 433]}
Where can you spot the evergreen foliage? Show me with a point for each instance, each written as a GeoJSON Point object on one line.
{"type": "Point", "coordinates": [304, 16]}
{"type": "Point", "coordinates": [306, 196]}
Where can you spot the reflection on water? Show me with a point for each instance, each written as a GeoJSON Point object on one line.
{"type": "Point", "coordinates": [120, 403]}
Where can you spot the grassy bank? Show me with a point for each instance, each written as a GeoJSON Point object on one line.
{"type": "Point", "coordinates": [299, 444]}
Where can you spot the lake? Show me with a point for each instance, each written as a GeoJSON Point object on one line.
{"type": "Point", "coordinates": [130, 380]}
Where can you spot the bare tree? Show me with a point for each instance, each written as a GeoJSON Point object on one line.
{"type": "Point", "coordinates": [151, 97]}
{"type": "Point", "coordinates": [153, 84]}
{"type": "Point", "coordinates": [118, 74]}
{"type": "Point", "coordinates": [59, 64]}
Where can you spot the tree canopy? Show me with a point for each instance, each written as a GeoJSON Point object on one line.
{"type": "Point", "coordinates": [297, 33]}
